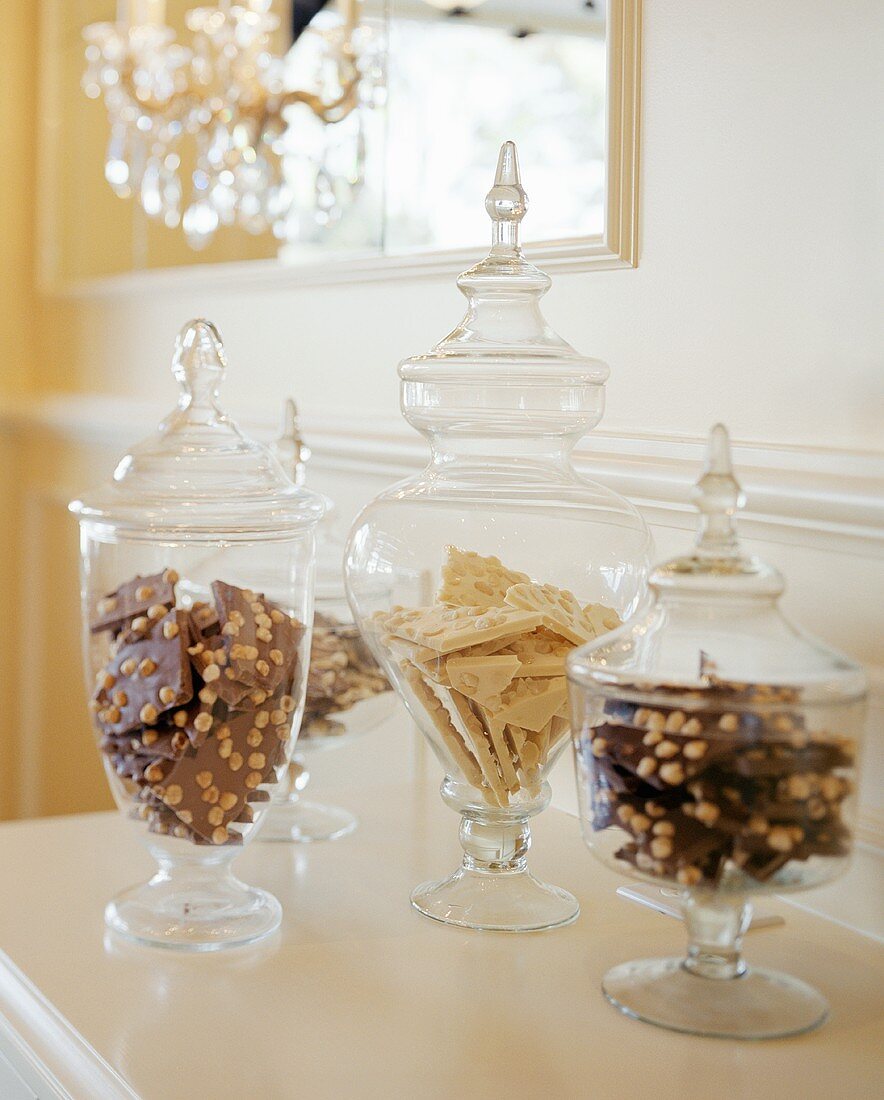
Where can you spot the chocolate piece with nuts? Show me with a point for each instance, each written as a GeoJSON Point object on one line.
{"type": "Point", "coordinates": [133, 600]}
{"type": "Point", "coordinates": [210, 657]}
{"type": "Point", "coordinates": [150, 744]}
{"type": "Point", "coordinates": [663, 750]}
{"type": "Point", "coordinates": [260, 640]}
{"type": "Point", "coordinates": [206, 788]}
{"type": "Point", "coordinates": [749, 790]}
{"type": "Point", "coordinates": [146, 678]}
{"type": "Point", "coordinates": [673, 846]}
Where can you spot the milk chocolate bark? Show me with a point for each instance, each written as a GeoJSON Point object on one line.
{"type": "Point", "coordinates": [133, 600]}
{"type": "Point", "coordinates": [191, 743]}
{"type": "Point", "coordinates": [147, 677]}
{"type": "Point", "coordinates": [258, 638]}
{"type": "Point", "coordinates": [342, 674]}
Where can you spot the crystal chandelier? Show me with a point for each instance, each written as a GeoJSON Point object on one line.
{"type": "Point", "coordinates": [227, 95]}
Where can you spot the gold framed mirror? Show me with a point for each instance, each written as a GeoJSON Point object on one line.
{"type": "Point", "coordinates": [562, 79]}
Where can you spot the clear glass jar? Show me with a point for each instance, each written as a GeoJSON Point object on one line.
{"type": "Point", "coordinates": [479, 661]}
{"type": "Point", "coordinates": [347, 692]}
{"type": "Point", "coordinates": [197, 676]}
{"type": "Point", "coordinates": [716, 749]}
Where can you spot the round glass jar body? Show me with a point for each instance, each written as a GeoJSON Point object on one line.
{"type": "Point", "coordinates": [473, 580]}
{"type": "Point", "coordinates": [716, 753]}
{"type": "Point", "coordinates": [347, 694]}
{"type": "Point", "coordinates": [197, 677]}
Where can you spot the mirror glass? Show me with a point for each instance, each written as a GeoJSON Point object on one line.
{"type": "Point", "coordinates": [417, 97]}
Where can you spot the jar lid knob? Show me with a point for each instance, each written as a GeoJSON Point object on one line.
{"type": "Point", "coordinates": [718, 496]}
{"type": "Point", "coordinates": [291, 450]}
{"type": "Point", "coordinates": [199, 363]}
{"type": "Point", "coordinates": [507, 202]}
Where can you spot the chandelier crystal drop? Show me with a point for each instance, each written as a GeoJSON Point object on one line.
{"type": "Point", "coordinates": [225, 106]}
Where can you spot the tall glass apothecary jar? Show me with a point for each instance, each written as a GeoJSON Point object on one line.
{"type": "Point", "coordinates": [347, 692]}
{"type": "Point", "coordinates": [474, 580]}
{"type": "Point", "coordinates": [716, 749]}
{"type": "Point", "coordinates": [196, 676]}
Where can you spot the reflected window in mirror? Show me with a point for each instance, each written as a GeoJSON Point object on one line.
{"type": "Point", "coordinates": [439, 85]}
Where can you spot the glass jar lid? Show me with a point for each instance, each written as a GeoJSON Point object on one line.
{"type": "Point", "coordinates": [713, 623]}
{"type": "Point", "coordinates": [504, 360]}
{"type": "Point", "coordinates": [198, 472]}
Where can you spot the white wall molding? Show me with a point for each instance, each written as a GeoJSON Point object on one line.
{"type": "Point", "coordinates": [832, 499]}
{"type": "Point", "coordinates": [828, 498]}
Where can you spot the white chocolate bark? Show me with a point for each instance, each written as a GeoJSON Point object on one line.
{"type": "Point", "coordinates": [445, 629]}
{"type": "Point", "coordinates": [562, 613]}
{"type": "Point", "coordinates": [471, 580]}
{"type": "Point", "coordinates": [482, 678]}
{"type": "Point", "coordinates": [487, 665]}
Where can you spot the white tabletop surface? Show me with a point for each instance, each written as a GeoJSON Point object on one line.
{"type": "Point", "coordinates": [359, 996]}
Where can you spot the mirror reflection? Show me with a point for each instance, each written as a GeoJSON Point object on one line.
{"type": "Point", "coordinates": [309, 130]}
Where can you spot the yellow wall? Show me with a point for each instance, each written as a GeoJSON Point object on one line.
{"type": "Point", "coordinates": [18, 117]}
{"type": "Point", "coordinates": [19, 319]}
{"type": "Point", "coordinates": [95, 232]}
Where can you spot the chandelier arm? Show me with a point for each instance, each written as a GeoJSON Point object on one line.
{"type": "Point", "coordinates": [335, 111]}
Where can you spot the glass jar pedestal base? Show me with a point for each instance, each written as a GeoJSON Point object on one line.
{"type": "Point", "coordinates": [493, 890]}
{"type": "Point", "coordinates": [712, 991]}
{"type": "Point", "coordinates": [293, 820]}
{"type": "Point", "coordinates": [194, 906]}
{"type": "Point", "coordinates": [498, 901]}
{"type": "Point", "coordinates": [757, 1004]}
{"type": "Point", "coordinates": [300, 822]}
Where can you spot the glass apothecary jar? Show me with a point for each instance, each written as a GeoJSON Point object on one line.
{"type": "Point", "coordinates": [347, 691]}
{"type": "Point", "coordinates": [197, 678]}
{"type": "Point", "coordinates": [716, 752]}
{"type": "Point", "coordinates": [473, 580]}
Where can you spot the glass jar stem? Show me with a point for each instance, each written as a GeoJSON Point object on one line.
{"type": "Point", "coordinates": [716, 927]}
{"type": "Point", "coordinates": [495, 847]}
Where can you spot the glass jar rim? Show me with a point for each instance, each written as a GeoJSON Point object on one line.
{"type": "Point", "coordinates": [268, 517]}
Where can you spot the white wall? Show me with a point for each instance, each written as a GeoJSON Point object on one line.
{"type": "Point", "coordinates": [755, 301]}
{"type": "Point", "coordinates": [760, 273]}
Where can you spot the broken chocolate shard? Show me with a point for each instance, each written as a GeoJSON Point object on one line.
{"type": "Point", "coordinates": [260, 639]}
{"type": "Point", "coordinates": [146, 678]}
{"type": "Point", "coordinates": [133, 599]}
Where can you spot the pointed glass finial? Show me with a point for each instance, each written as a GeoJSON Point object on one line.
{"type": "Point", "coordinates": [291, 450]}
{"type": "Point", "coordinates": [718, 497]}
{"type": "Point", "coordinates": [507, 202]}
{"type": "Point", "coordinates": [505, 273]}
{"type": "Point", "coordinates": [199, 363]}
